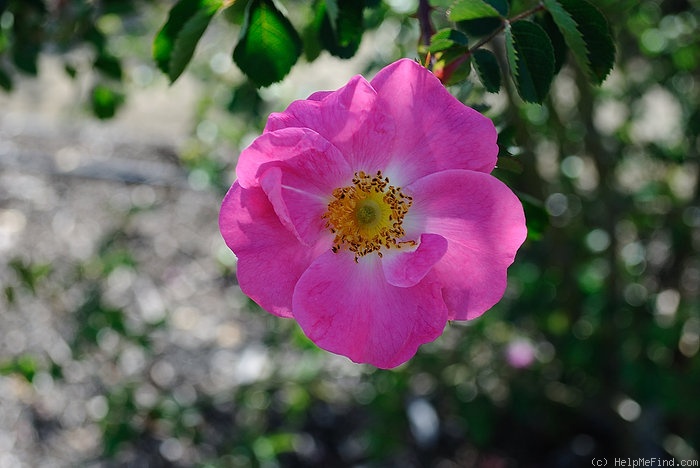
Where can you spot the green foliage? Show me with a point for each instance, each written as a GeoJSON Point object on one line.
{"type": "Point", "coordinates": [612, 214]}
{"type": "Point", "coordinates": [537, 42]}
{"type": "Point", "coordinates": [105, 101]}
{"type": "Point", "coordinates": [269, 45]}
{"type": "Point", "coordinates": [483, 26]}
{"type": "Point", "coordinates": [463, 10]}
{"type": "Point", "coordinates": [27, 31]}
{"type": "Point", "coordinates": [486, 66]}
{"type": "Point", "coordinates": [28, 273]}
{"type": "Point", "coordinates": [587, 34]}
{"type": "Point", "coordinates": [531, 60]}
{"type": "Point", "coordinates": [446, 39]}
{"type": "Point", "coordinates": [342, 27]}
{"type": "Point", "coordinates": [25, 365]}
{"type": "Point", "coordinates": [175, 43]}
{"type": "Point", "coordinates": [558, 43]}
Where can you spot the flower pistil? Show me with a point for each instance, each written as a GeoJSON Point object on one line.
{"type": "Point", "coordinates": [368, 215]}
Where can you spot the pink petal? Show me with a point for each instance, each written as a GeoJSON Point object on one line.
{"type": "Point", "coordinates": [405, 269]}
{"type": "Point", "coordinates": [348, 118]}
{"type": "Point", "coordinates": [292, 146]}
{"type": "Point", "coordinates": [437, 132]}
{"type": "Point", "coordinates": [484, 224]}
{"type": "Point", "coordinates": [319, 95]}
{"type": "Point", "coordinates": [349, 308]}
{"type": "Point", "coordinates": [270, 258]}
{"type": "Point", "coordinates": [300, 187]}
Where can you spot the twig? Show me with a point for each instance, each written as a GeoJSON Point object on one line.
{"type": "Point", "coordinates": [504, 23]}
{"type": "Point", "coordinates": [426, 26]}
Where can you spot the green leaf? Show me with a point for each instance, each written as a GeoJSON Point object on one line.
{"type": "Point", "coordinates": [5, 80]}
{"type": "Point", "coordinates": [502, 6]}
{"type": "Point", "coordinates": [175, 43]}
{"type": "Point", "coordinates": [28, 273]}
{"type": "Point", "coordinates": [342, 27]}
{"type": "Point", "coordinates": [452, 66]}
{"type": "Point", "coordinates": [536, 216]}
{"type": "Point", "coordinates": [269, 45]}
{"type": "Point", "coordinates": [488, 70]}
{"type": "Point", "coordinates": [447, 38]}
{"type": "Point", "coordinates": [485, 26]}
{"type": "Point", "coordinates": [587, 33]}
{"type": "Point", "coordinates": [109, 65]}
{"type": "Point", "coordinates": [333, 11]}
{"type": "Point", "coordinates": [246, 100]}
{"type": "Point", "coordinates": [105, 101]}
{"type": "Point", "coordinates": [531, 60]}
{"type": "Point", "coordinates": [312, 32]}
{"type": "Point", "coordinates": [558, 42]}
{"type": "Point", "coordinates": [235, 12]}
{"type": "Point", "coordinates": [462, 10]}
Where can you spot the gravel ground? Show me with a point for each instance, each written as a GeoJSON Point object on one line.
{"type": "Point", "coordinates": [111, 218]}
{"type": "Point", "coordinates": [114, 275]}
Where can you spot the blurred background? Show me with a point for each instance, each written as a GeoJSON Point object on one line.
{"type": "Point", "coordinates": [124, 340]}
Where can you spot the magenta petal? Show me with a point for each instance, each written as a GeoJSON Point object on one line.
{"type": "Point", "coordinates": [319, 95]}
{"type": "Point", "coordinates": [348, 118]}
{"type": "Point", "coordinates": [270, 258]}
{"type": "Point", "coordinates": [484, 224]}
{"type": "Point", "coordinates": [285, 146]}
{"type": "Point", "coordinates": [437, 132]}
{"type": "Point", "coordinates": [300, 212]}
{"type": "Point", "coordinates": [349, 308]}
{"type": "Point", "coordinates": [300, 188]}
{"type": "Point", "coordinates": [404, 269]}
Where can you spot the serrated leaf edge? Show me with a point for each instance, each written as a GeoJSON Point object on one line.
{"type": "Point", "coordinates": [479, 70]}
{"type": "Point", "coordinates": [511, 51]}
{"type": "Point", "coordinates": [576, 43]}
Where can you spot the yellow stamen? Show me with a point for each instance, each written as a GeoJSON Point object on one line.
{"type": "Point", "coordinates": [368, 215]}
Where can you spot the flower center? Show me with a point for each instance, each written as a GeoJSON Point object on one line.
{"type": "Point", "coordinates": [368, 215]}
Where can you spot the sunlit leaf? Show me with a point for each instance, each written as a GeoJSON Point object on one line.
{"type": "Point", "coordinates": [485, 26]}
{"type": "Point", "coordinates": [446, 38]}
{"type": "Point", "coordinates": [175, 43]}
{"type": "Point", "coordinates": [462, 10]}
{"type": "Point", "coordinates": [452, 66]}
{"type": "Point", "coordinates": [531, 60]}
{"type": "Point", "coordinates": [269, 45]}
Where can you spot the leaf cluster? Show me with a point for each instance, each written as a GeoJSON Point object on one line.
{"type": "Point", "coordinates": [269, 44]}
{"type": "Point", "coordinates": [29, 27]}
{"type": "Point", "coordinates": [537, 42]}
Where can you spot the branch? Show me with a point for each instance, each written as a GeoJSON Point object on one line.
{"type": "Point", "coordinates": [426, 26]}
{"type": "Point", "coordinates": [497, 31]}
{"type": "Point", "coordinates": [447, 71]}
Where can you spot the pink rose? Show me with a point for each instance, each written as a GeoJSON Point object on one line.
{"type": "Point", "coordinates": [369, 216]}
